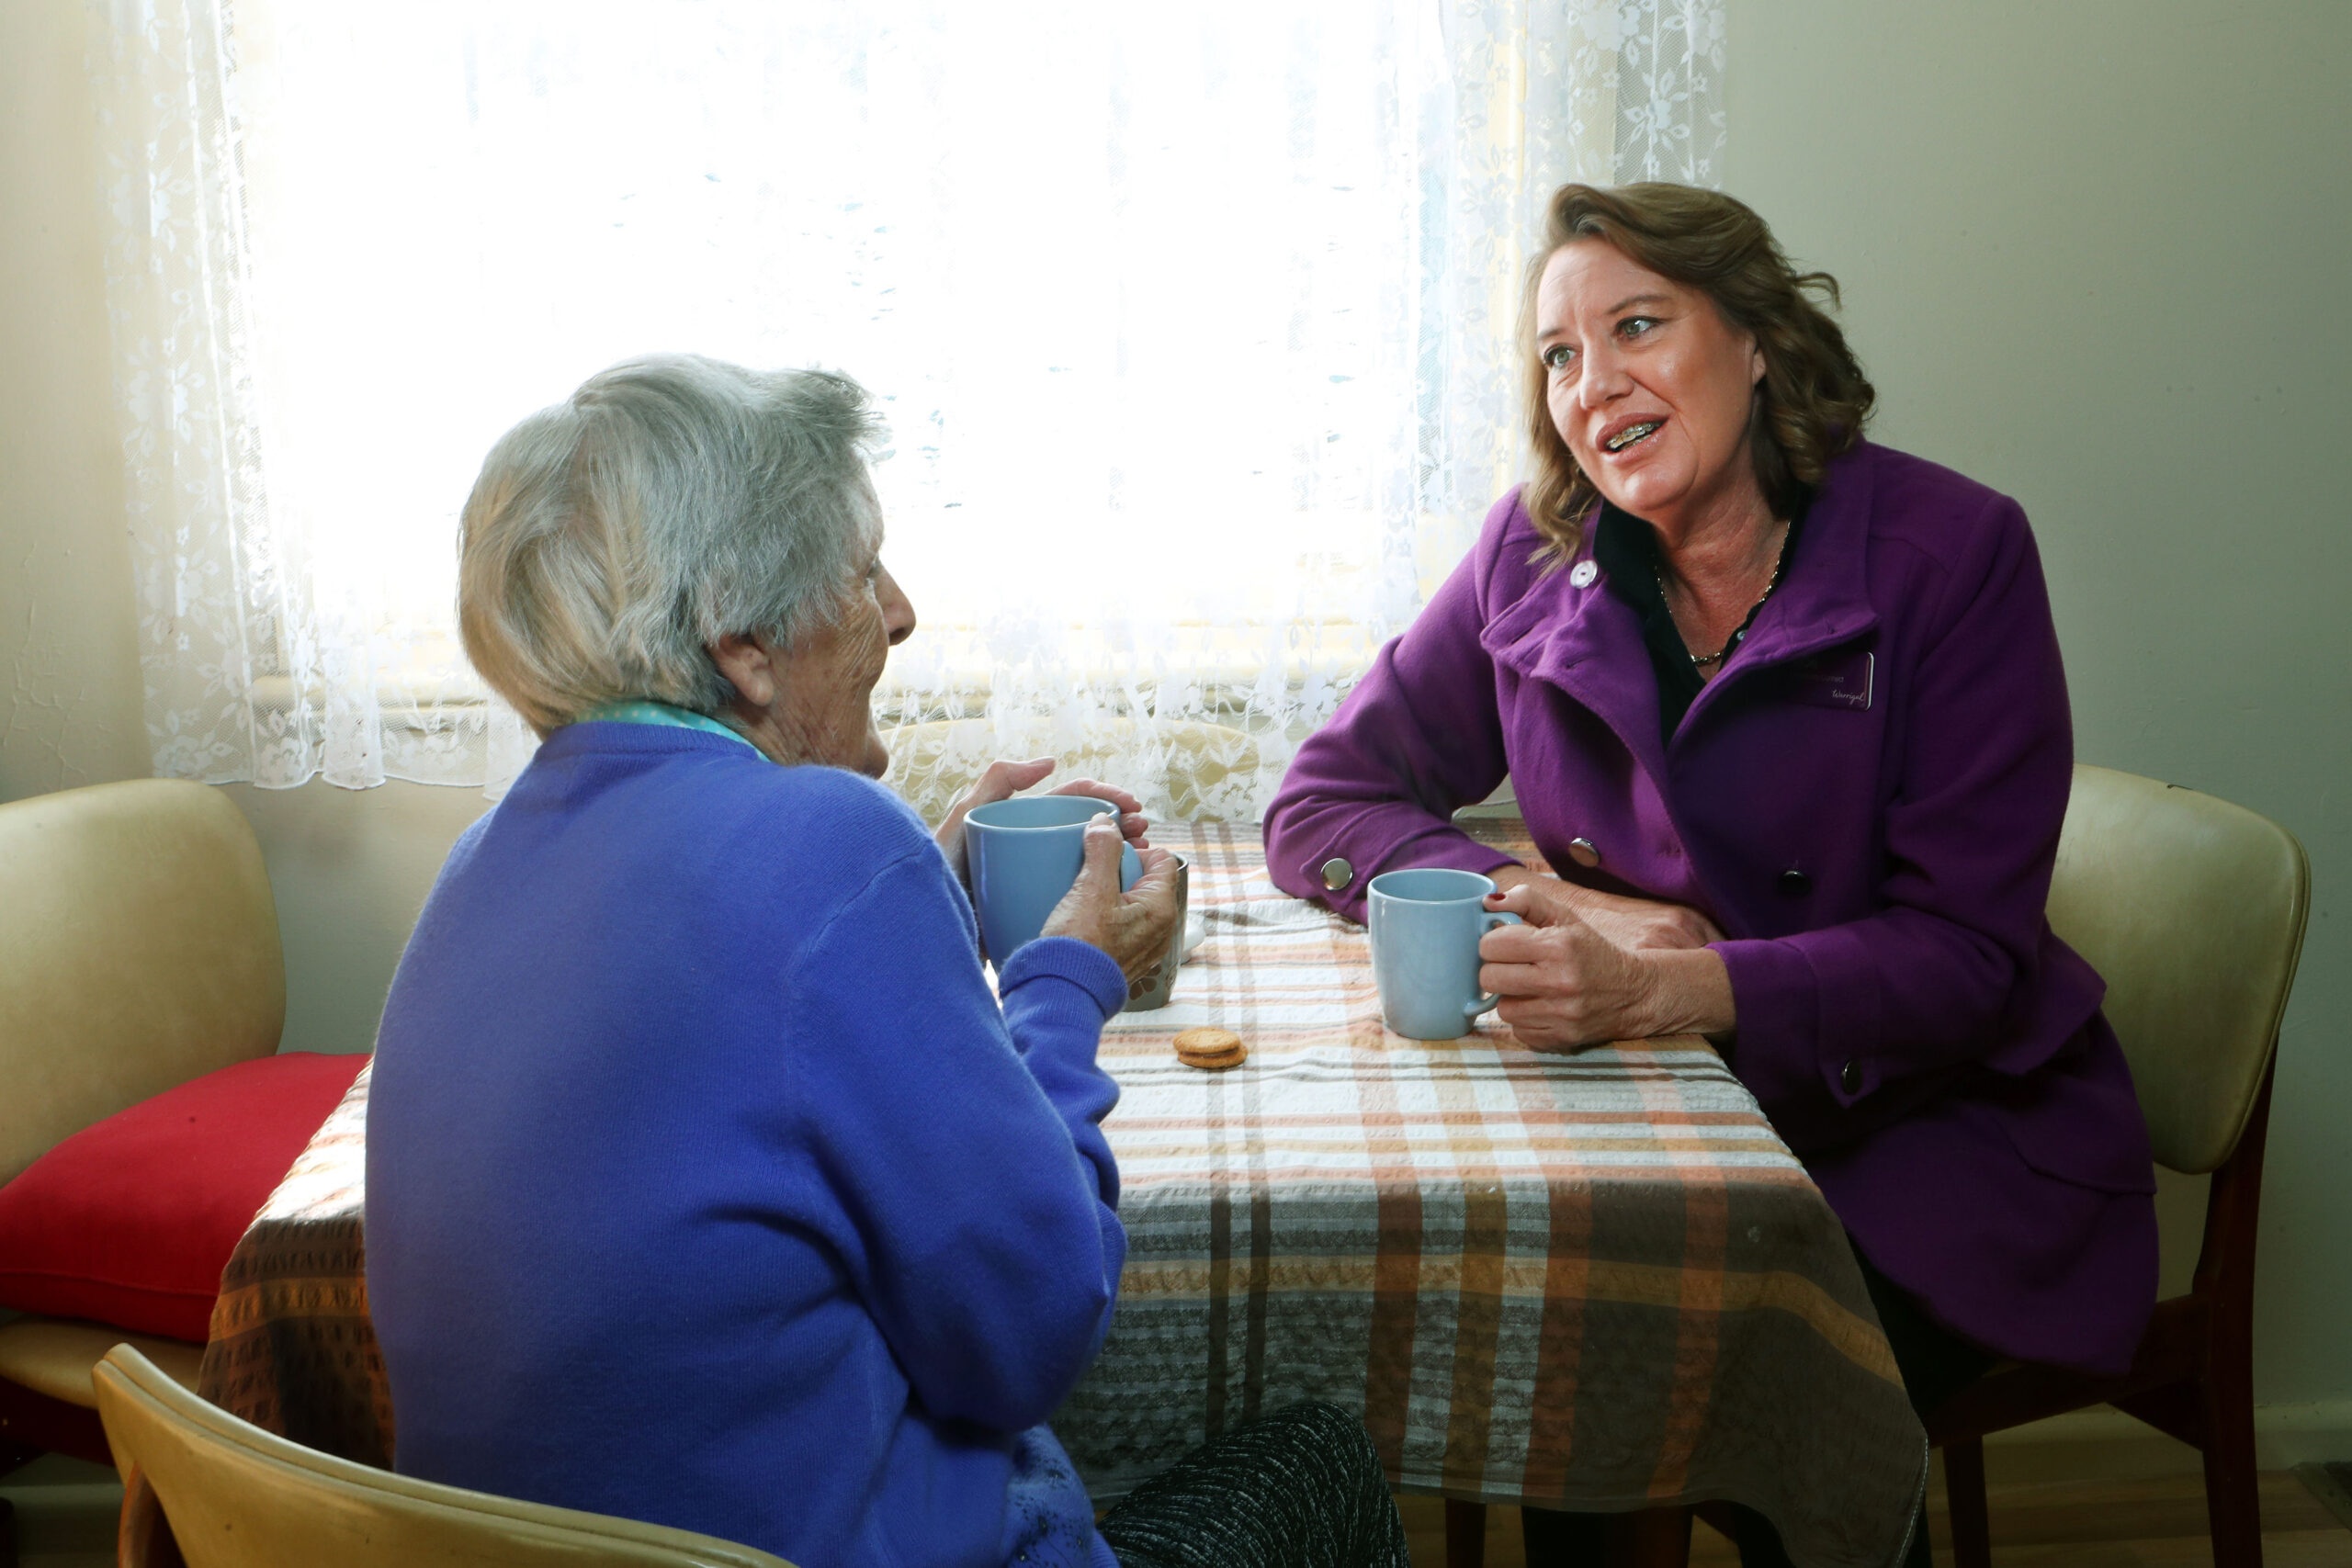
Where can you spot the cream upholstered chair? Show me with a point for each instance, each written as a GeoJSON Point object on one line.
{"type": "Point", "coordinates": [211, 1491]}
{"type": "Point", "coordinates": [1203, 771]}
{"type": "Point", "coordinates": [2193, 911]}
{"type": "Point", "coordinates": [138, 949]}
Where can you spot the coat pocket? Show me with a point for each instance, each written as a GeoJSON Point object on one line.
{"type": "Point", "coordinates": [2070, 1125]}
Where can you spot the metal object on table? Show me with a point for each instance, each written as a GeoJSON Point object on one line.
{"type": "Point", "coordinates": [1152, 991]}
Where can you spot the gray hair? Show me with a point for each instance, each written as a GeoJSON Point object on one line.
{"type": "Point", "coordinates": [672, 500]}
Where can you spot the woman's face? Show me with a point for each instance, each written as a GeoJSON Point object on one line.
{"type": "Point", "coordinates": [824, 707]}
{"type": "Point", "coordinates": [1649, 385]}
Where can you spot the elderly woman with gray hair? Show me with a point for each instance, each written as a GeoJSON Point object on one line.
{"type": "Point", "coordinates": [707, 1183]}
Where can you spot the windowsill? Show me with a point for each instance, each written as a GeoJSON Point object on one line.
{"type": "Point", "coordinates": [432, 702]}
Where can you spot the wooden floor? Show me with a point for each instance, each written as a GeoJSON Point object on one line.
{"type": "Point", "coordinates": [2115, 1524]}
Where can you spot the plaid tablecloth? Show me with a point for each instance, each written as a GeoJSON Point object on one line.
{"type": "Point", "coordinates": [1596, 1281]}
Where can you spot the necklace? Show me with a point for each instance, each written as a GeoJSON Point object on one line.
{"type": "Point", "coordinates": [1702, 660]}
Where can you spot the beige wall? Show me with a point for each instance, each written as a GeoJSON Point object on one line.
{"type": "Point", "coordinates": [350, 870]}
{"type": "Point", "coordinates": [66, 619]}
{"type": "Point", "coordinates": [2093, 255]}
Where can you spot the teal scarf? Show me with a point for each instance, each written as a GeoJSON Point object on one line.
{"type": "Point", "coordinates": [640, 711]}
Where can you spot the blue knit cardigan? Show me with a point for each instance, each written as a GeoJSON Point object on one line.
{"type": "Point", "coordinates": [709, 1185]}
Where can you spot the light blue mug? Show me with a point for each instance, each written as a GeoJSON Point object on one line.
{"type": "Point", "coordinates": [1425, 929]}
{"type": "Point", "coordinates": [1025, 853]}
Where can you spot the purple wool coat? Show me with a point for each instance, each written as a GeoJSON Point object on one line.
{"type": "Point", "coordinates": [1867, 801]}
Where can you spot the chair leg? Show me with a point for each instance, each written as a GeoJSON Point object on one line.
{"type": "Point", "coordinates": [143, 1537]}
{"type": "Point", "coordinates": [1465, 1534]}
{"type": "Point", "coordinates": [1650, 1538]}
{"type": "Point", "coordinates": [1972, 1527]}
{"type": "Point", "coordinates": [2232, 1501]}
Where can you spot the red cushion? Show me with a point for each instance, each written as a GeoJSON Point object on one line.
{"type": "Point", "coordinates": [131, 1222]}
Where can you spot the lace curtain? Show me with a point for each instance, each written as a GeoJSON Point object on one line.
{"type": "Point", "coordinates": [1194, 328]}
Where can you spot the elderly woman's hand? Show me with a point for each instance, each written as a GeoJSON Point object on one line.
{"type": "Point", "coordinates": [1629, 922]}
{"type": "Point", "coordinates": [1565, 984]}
{"type": "Point", "coordinates": [1002, 780]}
{"type": "Point", "coordinates": [1135, 928]}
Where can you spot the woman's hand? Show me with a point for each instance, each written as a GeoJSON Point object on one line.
{"type": "Point", "coordinates": [1633, 923]}
{"type": "Point", "coordinates": [1002, 780]}
{"type": "Point", "coordinates": [1565, 984]}
{"type": "Point", "coordinates": [1135, 928]}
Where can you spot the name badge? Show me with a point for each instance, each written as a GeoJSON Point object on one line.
{"type": "Point", "coordinates": [1837, 679]}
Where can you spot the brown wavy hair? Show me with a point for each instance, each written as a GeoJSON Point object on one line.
{"type": "Point", "coordinates": [1814, 399]}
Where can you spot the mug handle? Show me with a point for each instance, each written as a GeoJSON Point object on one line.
{"type": "Point", "coordinates": [1488, 921]}
{"type": "Point", "coordinates": [1130, 863]}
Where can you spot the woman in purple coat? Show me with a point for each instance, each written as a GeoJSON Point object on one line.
{"type": "Point", "coordinates": [1786, 712]}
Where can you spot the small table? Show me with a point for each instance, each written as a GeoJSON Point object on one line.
{"type": "Point", "coordinates": [1598, 1281]}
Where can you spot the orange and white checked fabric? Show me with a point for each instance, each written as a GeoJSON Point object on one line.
{"type": "Point", "coordinates": [1599, 1281]}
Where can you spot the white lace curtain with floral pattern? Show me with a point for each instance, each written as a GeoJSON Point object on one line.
{"type": "Point", "coordinates": [1194, 327]}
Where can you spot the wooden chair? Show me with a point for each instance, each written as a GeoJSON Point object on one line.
{"type": "Point", "coordinates": [207, 1490]}
{"type": "Point", "coordinates": [1192, 772]}
{"type": "Point", "coordinates": [138, 949]}
{"type": "Point", "coordinates": [2193, 910]}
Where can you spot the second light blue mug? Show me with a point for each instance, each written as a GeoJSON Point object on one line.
{"type": "Point", "coordinates": [1425, 929]}
{"type": "Point", "coordinates": [1025, 853]}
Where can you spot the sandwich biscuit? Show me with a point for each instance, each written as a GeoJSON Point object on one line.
{"type": "Point", "coordinates": [1211, 1049]}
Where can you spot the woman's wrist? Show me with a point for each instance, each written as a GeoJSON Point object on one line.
{"type": "Point", "coordinates": [1689, 992]}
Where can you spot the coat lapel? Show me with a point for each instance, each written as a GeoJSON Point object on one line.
{"type": "Point", "coordinates": [1571, 632]}
{"type": "Point", "coordinates": [1577, 635]}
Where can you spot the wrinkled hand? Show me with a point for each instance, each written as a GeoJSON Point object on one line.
{"type": "Point", "coordinates": [1135, 927]}
{"type": "Point", "coordinates": [1564, 985]}
{"type": "Point", "coordinates": [1633, 923]}
{"type": "Point", "coordinates": [1002, 779]}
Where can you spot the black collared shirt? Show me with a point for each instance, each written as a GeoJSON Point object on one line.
{"type": "Point", "coordinates": [1625, 549]}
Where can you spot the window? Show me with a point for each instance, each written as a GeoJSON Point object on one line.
{"type": "Point", "coordinates": [1193, 328]}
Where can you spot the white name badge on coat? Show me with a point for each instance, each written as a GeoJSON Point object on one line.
{"type": "Point", "coordinates": [1841, 678]}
